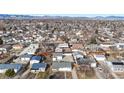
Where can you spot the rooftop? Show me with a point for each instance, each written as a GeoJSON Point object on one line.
{"type": "Point", "coordinates": [57, 65]}
{"type": "Point", "coordinates": [10, 66]}
{"type": "Point", "coordinates": [36, 58]}
{"type": "Point", "coordinates": [117, 63]}
{"type": "Point", "coordinates": [36, 66]}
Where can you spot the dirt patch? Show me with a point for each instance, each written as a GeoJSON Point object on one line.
{"type": "Point", "coordinates": [86, 73]}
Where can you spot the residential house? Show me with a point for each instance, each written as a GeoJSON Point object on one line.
{"type": "Point", "coordinates": [100, 58]}
{"type": "Point", "coordinates": [4, 67]}
{"type": "Point", "coordinates": [76, 47]}
{"type": "Point", "coordinates": [38, 67]}
{"type": "Point", "coordinates": [116, 66]}
{"type": "Point", "coordinates": [57, 56]}
{"type": "Point", "coordinates": [17, 47]}
{"type": "Point", "coordinates": [5, 48]}
{"type": "Point", "coordinates": [62, 66]}
{"type": "Point", "coordinates": [120, 46]}
{"type": "Point", "coordinates": [35, 59]}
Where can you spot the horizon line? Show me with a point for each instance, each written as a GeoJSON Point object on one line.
{"type": "Point", "coordinates": [69, 15]}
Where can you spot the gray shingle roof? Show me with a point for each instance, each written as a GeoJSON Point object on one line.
{"type": "Point", "coordinates": [57, 65]}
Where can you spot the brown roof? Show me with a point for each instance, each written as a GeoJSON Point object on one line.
{"type": "Point", "coordinates": [77, 46]}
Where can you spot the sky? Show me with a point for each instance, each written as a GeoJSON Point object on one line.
{"type": "Point", "coordinates": [63, 7]}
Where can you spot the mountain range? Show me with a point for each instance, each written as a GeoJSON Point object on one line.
{"type": "Point", "coordinates": [14, 16]}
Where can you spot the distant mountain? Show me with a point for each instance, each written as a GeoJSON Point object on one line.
{"type": "Point", "coordinates": [12, 16]}
{"type": "Point", "coordinates": [110, 18]}
{"type": "Point", "coordinates": [115, 17]}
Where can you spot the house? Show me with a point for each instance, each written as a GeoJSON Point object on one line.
{"type": "Point", "coordinates": [17, 47]}
{"type": "Point", "coordinates": [38, 67]}
{"type": "Point", "coordinates": [57, 56]}
{"type": "Point", "coordinates": [93, 64]}
{"type": "Point", "coordinates": [5, 48]}
{"type": "Point", "coordinates": [76, 47]}
{"type": "Point", "coordinates": [106, 45]}
{"type": "Point", "coordinates": [25, 58]}
{"type": "Point", "coordinates": [62, 66]}
{"type": "Point", "coordinates": [31, 49]}
{"type": "Point", "coordinates": [63, 45]}
{"type": "Point", "coordinates": [100, 57]}
{"type": "Point", "coordinates": [93, 47]}
{"type": "Point", "coordinates": [35, 59]}
{"type": "Point", "coordinates": [116, 66]}
{"type": "Point", "coordinates": [78, 55]}
{"type": "Point", "coordinates": [4, 67]}
{"type": "Point", "coordinates": [58, 49]}
{"type": "Point", "coordinates": [68, 58]}
{"type": "Point", "coordinates": [62, 33]}
{"type": "Point", "coordinates": [120, 45]}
